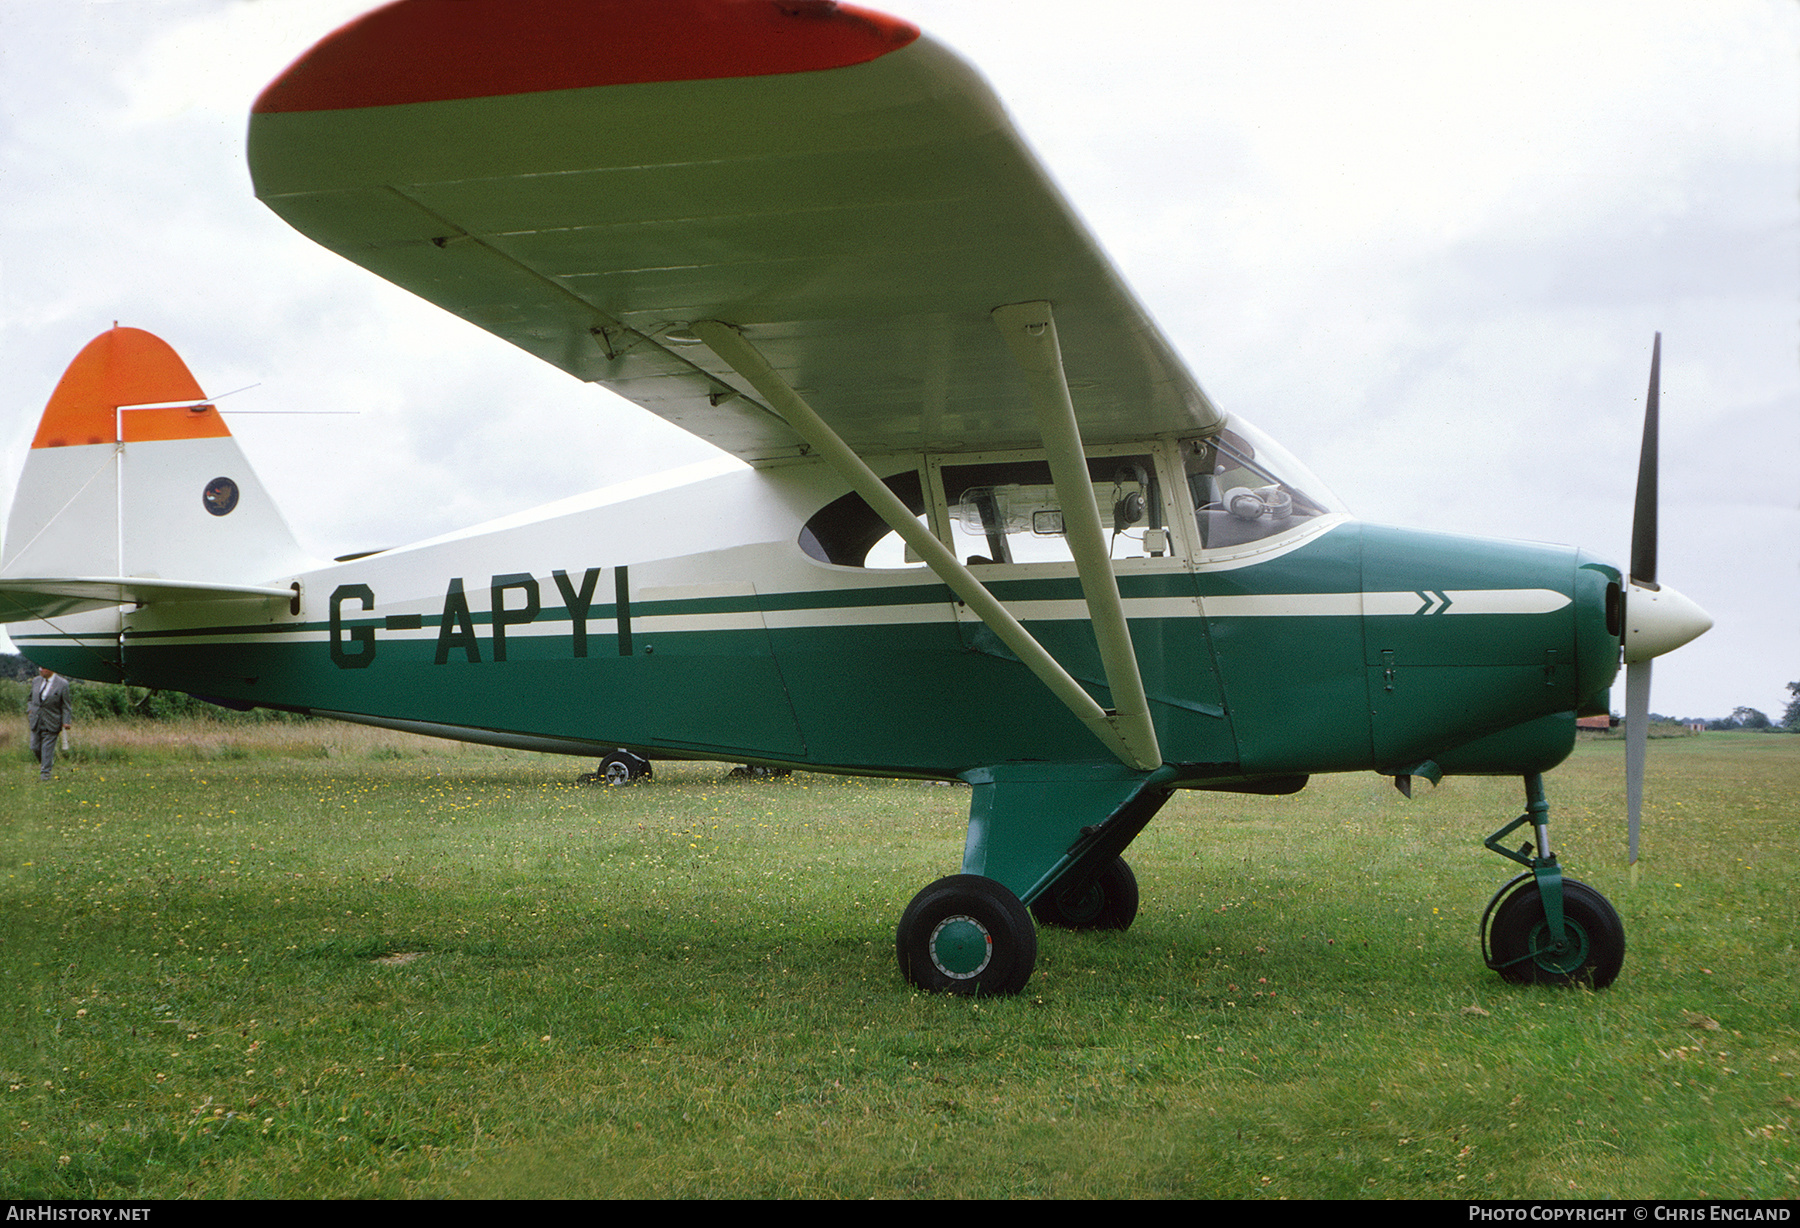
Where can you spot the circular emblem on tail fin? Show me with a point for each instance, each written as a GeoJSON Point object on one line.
{"type": "Point", "coordinates": [220, 496]}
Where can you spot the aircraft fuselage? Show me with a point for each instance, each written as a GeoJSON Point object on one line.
{"type": "Point", "coordinates": [698, 622]}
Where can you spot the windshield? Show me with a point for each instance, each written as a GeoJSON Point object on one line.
{"type": "Point", "coordinates": [1246, 487]}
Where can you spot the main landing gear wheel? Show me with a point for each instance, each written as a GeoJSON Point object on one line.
{"type": "Point", "coordinates": [1110, 902]}
{"type": "Point", "coordinates": [966, 935]}
{"type": "Point", "coordinates": [1521, 947]}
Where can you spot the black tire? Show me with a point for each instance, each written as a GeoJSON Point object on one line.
{"type": "Point", "coordinates": [1110, 902]}
{"type": "Point", "coordinates": [622, 768]}
{"type": "Point", "coordinates": [1594, 934]}
{"type": "Point", "coordinates": [966, 935]}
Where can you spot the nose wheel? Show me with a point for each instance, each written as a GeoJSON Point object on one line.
{"type": "Point", "coordinates": [1521, 945]}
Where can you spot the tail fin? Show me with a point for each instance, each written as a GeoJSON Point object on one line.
{"type": "Point", "coordinates": [135, 491]}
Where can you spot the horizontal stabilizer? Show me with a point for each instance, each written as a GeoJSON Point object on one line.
{"type": "Point", "coordinates": [23, 599]}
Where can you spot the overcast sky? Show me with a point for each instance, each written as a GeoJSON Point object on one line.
{"type": "Point", "coordinates": [1425, 245]}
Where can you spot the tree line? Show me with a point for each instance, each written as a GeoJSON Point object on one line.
{"type": "Point", "coordinates": [1752, 718]}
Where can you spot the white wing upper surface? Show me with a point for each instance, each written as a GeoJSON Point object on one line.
{"type": "Point", "coordinates": [586, 177]}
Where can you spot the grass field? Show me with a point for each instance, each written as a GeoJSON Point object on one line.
{"type": "Point", "coordinates": [318, 961]}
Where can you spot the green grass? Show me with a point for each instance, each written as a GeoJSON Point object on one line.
{"type": "Point", "coordinates": [316, 961]}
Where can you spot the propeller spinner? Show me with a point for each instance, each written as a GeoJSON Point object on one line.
{"type": "Point", "coordinates": [1657, 619]}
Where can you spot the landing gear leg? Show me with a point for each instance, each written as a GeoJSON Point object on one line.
{"type": "Point", "coordinates": [1045, 835]}
{"type": "Point", "coordinates": [1540, 927]}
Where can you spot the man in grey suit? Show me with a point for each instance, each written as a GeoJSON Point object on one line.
{"type": "Point", "coordinates": [47, 714]}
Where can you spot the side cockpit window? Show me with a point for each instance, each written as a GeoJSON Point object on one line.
{"type": "Point", "coordinates": [1010, 512]}
{"type": "Point", "coordinates": [847, 531]}
{"type": "Point", "coordinates": [998, 512]}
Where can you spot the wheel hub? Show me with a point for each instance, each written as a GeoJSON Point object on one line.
{"type": "Point", "coordinates": [1564, 957]}
{"type": "Point", "coordinates": [961, 947]}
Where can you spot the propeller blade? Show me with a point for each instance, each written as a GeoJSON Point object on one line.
{"type": "Point", "coordinates": [1643, 516]}
{"type": "Point", "coordinates": [1642, 585]}
{"type": "Point", "coordinates": [1637, 735]}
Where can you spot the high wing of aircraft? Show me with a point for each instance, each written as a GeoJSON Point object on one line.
{"type": "Point", "coordinates": [993, 530]}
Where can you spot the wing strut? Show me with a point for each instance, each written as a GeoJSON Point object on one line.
{"type": "Point", "coordinates": [1030, 332]}
{"type": "Point", "coordinates": [737, 353]}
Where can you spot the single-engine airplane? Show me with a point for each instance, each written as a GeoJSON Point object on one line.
{"type": "Point", "coordinates": [992, 529]}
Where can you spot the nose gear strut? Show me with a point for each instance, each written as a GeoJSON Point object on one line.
{"type": "Point", "coordinates": [1540, 927]}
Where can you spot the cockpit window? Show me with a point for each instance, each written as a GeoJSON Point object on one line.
{"type": "Point", "coordinates": [1009, 511]}
{"type": "Point", "coordinates": [1245, 487]}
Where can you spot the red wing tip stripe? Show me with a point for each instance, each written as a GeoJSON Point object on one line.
{"type": "Point", "coordinates": [439, 50]}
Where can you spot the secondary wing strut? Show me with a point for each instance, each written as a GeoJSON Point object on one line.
{"type": "Point", "coordinates": [1126, 733]}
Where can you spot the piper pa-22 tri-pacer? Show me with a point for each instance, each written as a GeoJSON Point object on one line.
{"type": "Point", "coordinates": [991, 530]}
